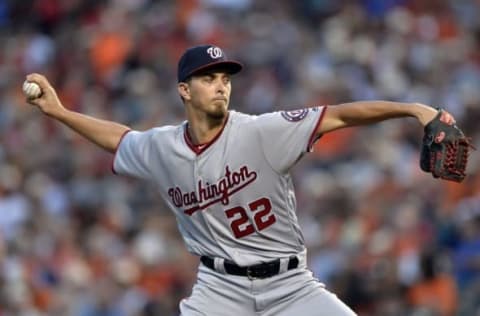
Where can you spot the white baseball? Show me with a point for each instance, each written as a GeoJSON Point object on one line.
{"type": "Point", "coordinates": [31, 89]}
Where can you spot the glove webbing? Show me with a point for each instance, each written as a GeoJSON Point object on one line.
{"type": "Point", "coordinates": [453, 163]}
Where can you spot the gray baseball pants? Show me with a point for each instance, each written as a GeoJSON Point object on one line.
{"type": "Point", "coordinates": [291, 293]}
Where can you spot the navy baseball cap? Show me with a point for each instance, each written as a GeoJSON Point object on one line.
{"type": "Point", "coordinates": [205, 57]}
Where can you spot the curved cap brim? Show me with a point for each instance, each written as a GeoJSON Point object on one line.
{"type": "Point", "coordinates": [230, 66]}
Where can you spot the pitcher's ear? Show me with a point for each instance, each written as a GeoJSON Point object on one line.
{"type": "Point", "coordinates": [183, 90]}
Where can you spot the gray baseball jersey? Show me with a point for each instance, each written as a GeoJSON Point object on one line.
{"type": "Point", "coordinates": [233, 198]}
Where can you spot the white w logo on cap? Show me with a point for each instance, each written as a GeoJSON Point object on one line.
{"type": "Point", "coordinates": [214, 52]}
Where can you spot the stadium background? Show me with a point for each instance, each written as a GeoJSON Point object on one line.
{"type": "Point", "coordinates": [387, 238]}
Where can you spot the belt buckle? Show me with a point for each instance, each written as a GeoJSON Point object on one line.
{"type": "Point", "coordinates": [259, 271]}
{"type": "Point", "coordinates": [250, 275]}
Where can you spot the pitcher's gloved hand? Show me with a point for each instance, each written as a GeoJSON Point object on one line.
{"type": "Point", "coordinates": [445, 149]}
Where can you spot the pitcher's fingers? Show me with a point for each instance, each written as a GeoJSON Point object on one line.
{"type": "Point", "coordinates": [33, 101]}
{"type": "Point", "coordinates": [39, 79]}
{"type": "Point", "coordinates": [447, 118]}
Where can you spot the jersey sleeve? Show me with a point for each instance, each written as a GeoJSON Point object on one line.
{"type": "Point", "coordinates": [131, 156]}
{"type": "Point", "coordinates": [285, 136]}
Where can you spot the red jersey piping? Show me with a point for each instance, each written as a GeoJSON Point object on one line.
{"type": "Point", "coordinates": [116, 150]}
{"type": "Point", "coordinates": [312, 138]}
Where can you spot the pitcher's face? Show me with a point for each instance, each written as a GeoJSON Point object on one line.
{"type": "Point", "coordinates": [210, 93]}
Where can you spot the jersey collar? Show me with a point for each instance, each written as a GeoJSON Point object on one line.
{"type": "Point", "coordinates": [200, 148]}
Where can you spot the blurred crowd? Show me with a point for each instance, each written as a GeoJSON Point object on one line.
{"type": "Point", "coordinates": [387, 238]}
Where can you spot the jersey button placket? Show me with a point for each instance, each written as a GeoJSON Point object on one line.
{"type": "Point", "coordinates": [197, 175]}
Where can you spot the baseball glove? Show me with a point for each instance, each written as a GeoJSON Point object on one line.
{"type": "Point", "coordinates": [445, 150]}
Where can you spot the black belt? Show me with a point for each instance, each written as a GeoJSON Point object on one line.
{"type": "Point", "coordinates": [257, 271]}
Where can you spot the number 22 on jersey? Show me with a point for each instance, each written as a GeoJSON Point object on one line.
{"type": "Point", "coordinates": [263, 217]}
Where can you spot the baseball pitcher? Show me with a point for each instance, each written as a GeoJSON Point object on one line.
{"type": "Point", "coordinates": [225, 176]}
